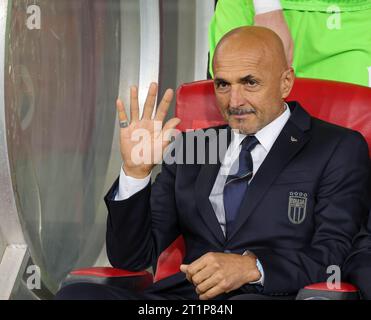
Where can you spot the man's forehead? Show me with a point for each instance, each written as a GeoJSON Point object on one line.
{"type": "Point", "coordinates": [231, 62]}
{"type": "Point", "coordinates": [240, 52]}
{"type": "Point", "coordinates": [238, 67]}
{"type": "Point", "coordinates": [235, 58]}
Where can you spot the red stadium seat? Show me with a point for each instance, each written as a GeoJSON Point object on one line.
{"type": "Point", "coordinates": [343, 104]}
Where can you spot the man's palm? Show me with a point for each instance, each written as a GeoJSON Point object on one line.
{"type": "Point", "coordinates": [142, 143]}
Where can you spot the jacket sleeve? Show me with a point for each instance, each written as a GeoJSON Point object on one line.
{"type": "Point", "coordinates": [141, 227]}
{"type": "Point", "coordinates": [341, 205]}
{"type": "Point", "coordinates": [357, 268]}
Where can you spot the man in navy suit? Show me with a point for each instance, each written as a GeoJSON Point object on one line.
{"type": "Point", "coordinates": [279, 207]}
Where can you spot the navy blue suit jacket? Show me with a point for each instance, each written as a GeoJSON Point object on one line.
{"type": "Point", "coordinates": [327, 164]}
{"type": "Point", "coordinates": [357, 268]}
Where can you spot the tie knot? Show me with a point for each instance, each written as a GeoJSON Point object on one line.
{"type": "Point", "coordinates": [249, 143]}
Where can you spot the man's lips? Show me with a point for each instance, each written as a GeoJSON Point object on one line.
{"type": "Point", "coordinates": [241, 115]}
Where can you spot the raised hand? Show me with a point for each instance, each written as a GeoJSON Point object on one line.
{"type": "Point", "coordinates": [143, 141]}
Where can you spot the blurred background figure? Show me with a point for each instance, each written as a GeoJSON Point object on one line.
{"type": "Point", "coordinates": [324, 39]}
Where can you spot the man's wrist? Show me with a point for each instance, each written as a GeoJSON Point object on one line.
{"type": "Point", "coordinates": [137, 173]}
{"type": "Point", "coordinates": [128, 186]}
{"type": "Point", "coordinates": [256, 275]}
{"type": "Point", "coordinates": [252, 273]}
{"type": "Point", "coordinates": [259, 266]}
{"type": "Point", "coordinates": [264, 6]}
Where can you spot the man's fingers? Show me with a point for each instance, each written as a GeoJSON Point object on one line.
{"type": "Point", "coordinates": [195, 267]}
{"type": "Point", "coordinates": [183, 267]}
{"type": "Point", "coordinates": [212, 293]}
{"type": "Point", "coordinates": [150, 101]}
{"type": "Point", "coordinates": [121, 110]}
{"type": "Point", "coordinates": [190, 273]}
{"type": "Point", "coordinates": [164, 105]}
{"type": "Point", "coordinates": [202, 275]}
{"type": "Point", "coordinates": [134, 105]}
{"type": "Point", "coordinates": [168, 129]}
{"type": "Point", "coordinates": [207, 284]}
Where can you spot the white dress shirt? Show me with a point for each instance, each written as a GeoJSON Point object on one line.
{"type": "Point", "coordinates": [266, 137]}
{"type": "Point", "coordinates": [128, 186]}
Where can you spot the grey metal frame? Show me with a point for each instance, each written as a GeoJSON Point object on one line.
{"type": "Point", "coordinates": [129, 75]}
{"type": "Point", "coordinates": [149, 47]}
{"type": "Point", "coordinates": [140, 62]}
{"type": "Point", "coordinates": [204, 13]}
{"type": "Point", "coordinates": [15, 255]}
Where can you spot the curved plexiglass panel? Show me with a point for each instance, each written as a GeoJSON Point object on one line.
{"type": "Point", "coordinates": [66, 62]}
{"type": "Point", "coordinates": [2, 246]}
{"type": "Point", "coordinates": [61, 82]}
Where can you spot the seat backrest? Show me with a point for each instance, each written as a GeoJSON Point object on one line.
{"type": "Point", "coordinates": [344, 104]}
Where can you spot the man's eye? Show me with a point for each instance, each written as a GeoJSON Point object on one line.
{"type": "Point", "coordinates": [251, 83]}
{"type": "Point", "coordinates": [222, 85]}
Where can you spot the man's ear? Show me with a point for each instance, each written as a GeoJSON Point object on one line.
{"type": "Point", "coordinates": [287, 82]}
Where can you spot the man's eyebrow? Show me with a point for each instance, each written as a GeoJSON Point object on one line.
{"type": "Point", "coordinates": [220, 80]}
{"type": "Point", "coordinates": [248, 78]}
{"type": "Point", "coordinates": [244, 79]}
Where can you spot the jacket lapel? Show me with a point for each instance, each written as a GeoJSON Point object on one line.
{"type": "Point", "coordinates": [291, 140]}
{"type": "Point", "coordinates": [204, 184]}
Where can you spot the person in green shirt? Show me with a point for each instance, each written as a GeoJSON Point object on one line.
{"type": "Point", "coordinates": [324, 39]}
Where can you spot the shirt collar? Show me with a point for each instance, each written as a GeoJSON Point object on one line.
{"type": "Point", "coordinates": [267, 135]}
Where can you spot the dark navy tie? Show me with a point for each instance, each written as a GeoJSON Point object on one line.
{"type": "Point", "coordinates": [237, 181]}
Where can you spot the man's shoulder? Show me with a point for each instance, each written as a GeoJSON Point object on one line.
{"type": "Point", "coordinates": [330, 131]}
{"type": "Point", "coordinates": [321, 131]}
{"type": "Point", "coordinates": [326, 134]}
{"type": "Point", "coordinates": [332, 137]}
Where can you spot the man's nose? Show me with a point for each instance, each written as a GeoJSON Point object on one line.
{"type": "Point", "coordinates": [237, 99]}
